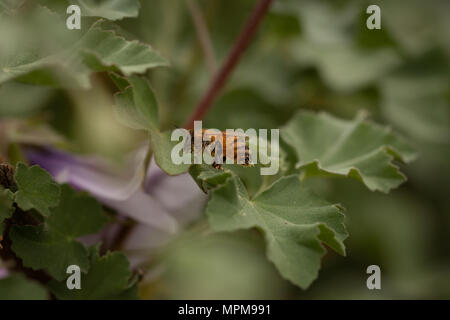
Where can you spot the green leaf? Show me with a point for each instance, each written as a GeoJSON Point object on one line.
{"type": "Point", "coordinates": [137, 108]}
{"type": "Point", "coordinates": [78, 214]}
{"type": "Point", "coordinates": [162, 150]}
{"type": "Point", "coordinates": [108, 278]}
{"type": "Point", "coordinates": [294, 221]}
{"type": "Point", "coordinates": [109, 9]}
{"type": "Point", "coordinates": [354, 148]}
{"type": "Point", "coordinates": [103, 50]}
{"type": "Point", "coordinates": [17, 287]}
{"type": "Point", "coordinates": [136, 105]}
{"type": "Point", "coordinates": [344, 62]}
{"type": "Point", "coordinates": [67, 58]}
{"type": "Point", "coordinates": [42, 249]}
{"type": "Point", "coordinates": [207, 177]}
{"type": "Point", "coordinates": [36, 189]}
{"type": "Point", "coordinates": [53, 247]}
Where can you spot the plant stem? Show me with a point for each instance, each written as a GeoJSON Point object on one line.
{"type": "Point", "coordinates": [230, 63]}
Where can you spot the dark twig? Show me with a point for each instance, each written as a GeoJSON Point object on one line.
{"type": "Point", "coordinates": [230, 63]}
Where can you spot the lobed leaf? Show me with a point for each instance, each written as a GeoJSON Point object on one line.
{"type": "Point", "coordinates": [42, 249]}
{"type": "Point", "coordinates": [36, 189]}
{"type": "Point", "coordinates": [294, 221]}
{"type": "Point", "coordinates": [53, 247]}
{"type": "Point", "coordinates": [354, 148]}
{"type": "Point", "coordinates": [67, 58]}
{"type": "Point", "coordinates": [104, 50]}
{"type": "Point", "coordinates": [78, 214]}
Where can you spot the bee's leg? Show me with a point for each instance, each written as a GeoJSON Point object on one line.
{"type": "Point", "coordinates": [217, 153]}
{"type": "Point", "coordinates": [217, 166]}
{"type": "Point", "coordinates": [248, 158]}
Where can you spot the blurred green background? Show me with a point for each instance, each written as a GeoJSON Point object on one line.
{"type": "Point", "coordinates": [315, 55]}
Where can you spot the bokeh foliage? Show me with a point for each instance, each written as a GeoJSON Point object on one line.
{"type": "Point", "coordinates": [314, 55]}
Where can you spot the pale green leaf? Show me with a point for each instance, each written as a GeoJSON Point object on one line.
{"type": "Point", "coordinates": [109, 9]}
{"type": "Point", "coordinates": [22, 50]}
{"type": "Point", "coordinates": [354, 148]}
{"type": "Point", "coordinates": [293, 220]}
{"type": "Point", "coordinates": [345, 67]}
{"type": "Point", "coordinates": [104, 50]}
{"type": "Point", "coordinates": [67, 58]}
{"type": "Point", "coordinates": [327, 44]}
{"type": "Point", "coordinates": [136, 105]}
{"type": "Point", "coordinates": [162, 149]}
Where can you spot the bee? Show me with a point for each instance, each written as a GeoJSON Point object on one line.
{"type": "Point", "coordinates": [241, 152]}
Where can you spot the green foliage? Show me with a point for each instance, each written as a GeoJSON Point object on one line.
{"type": "Point", "coordinates": [77, 214]}
{"type": "Point", "coordinates": [36, 189]}
{"type": "Point", "coordinates": [309, 54]}
{"type": "Point", "coordinates": [137, 108]}
{"type": "Point", "coordinates": [208, 178]}
{"type": "Point", "coordinates": [108, 278]}
{"type": "Point", "coordinates": [15, 104]}
{"type": "Point", "coordinates": [359, 149]}
{"type": "Point", "coordinates": [102, 50]}
{"type": "Point", "coordinates": [136, 104]}
{"type": "Point", "coordinates": [109, 9]}
{"type": "Point", "coordinates": [54, 247]}
{"type": "Point", "coordinates": [7, 6]}
{"type": "Point", "coordinates": [47, 249]}
{"type": "Point", "coordinates": [294, 222]}
{"type": "Point", "coordinates": [17, 287]}
{"type": "Point", "coordinates": [77, 56]}
{"type": "Point", "coordinates": [162, 147]}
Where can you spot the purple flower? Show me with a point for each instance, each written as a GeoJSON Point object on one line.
{"type": "Point", "coordinates": [163, 203]}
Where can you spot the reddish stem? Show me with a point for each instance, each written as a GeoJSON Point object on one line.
{"type": "Point", "coordinates": [230, 63]}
